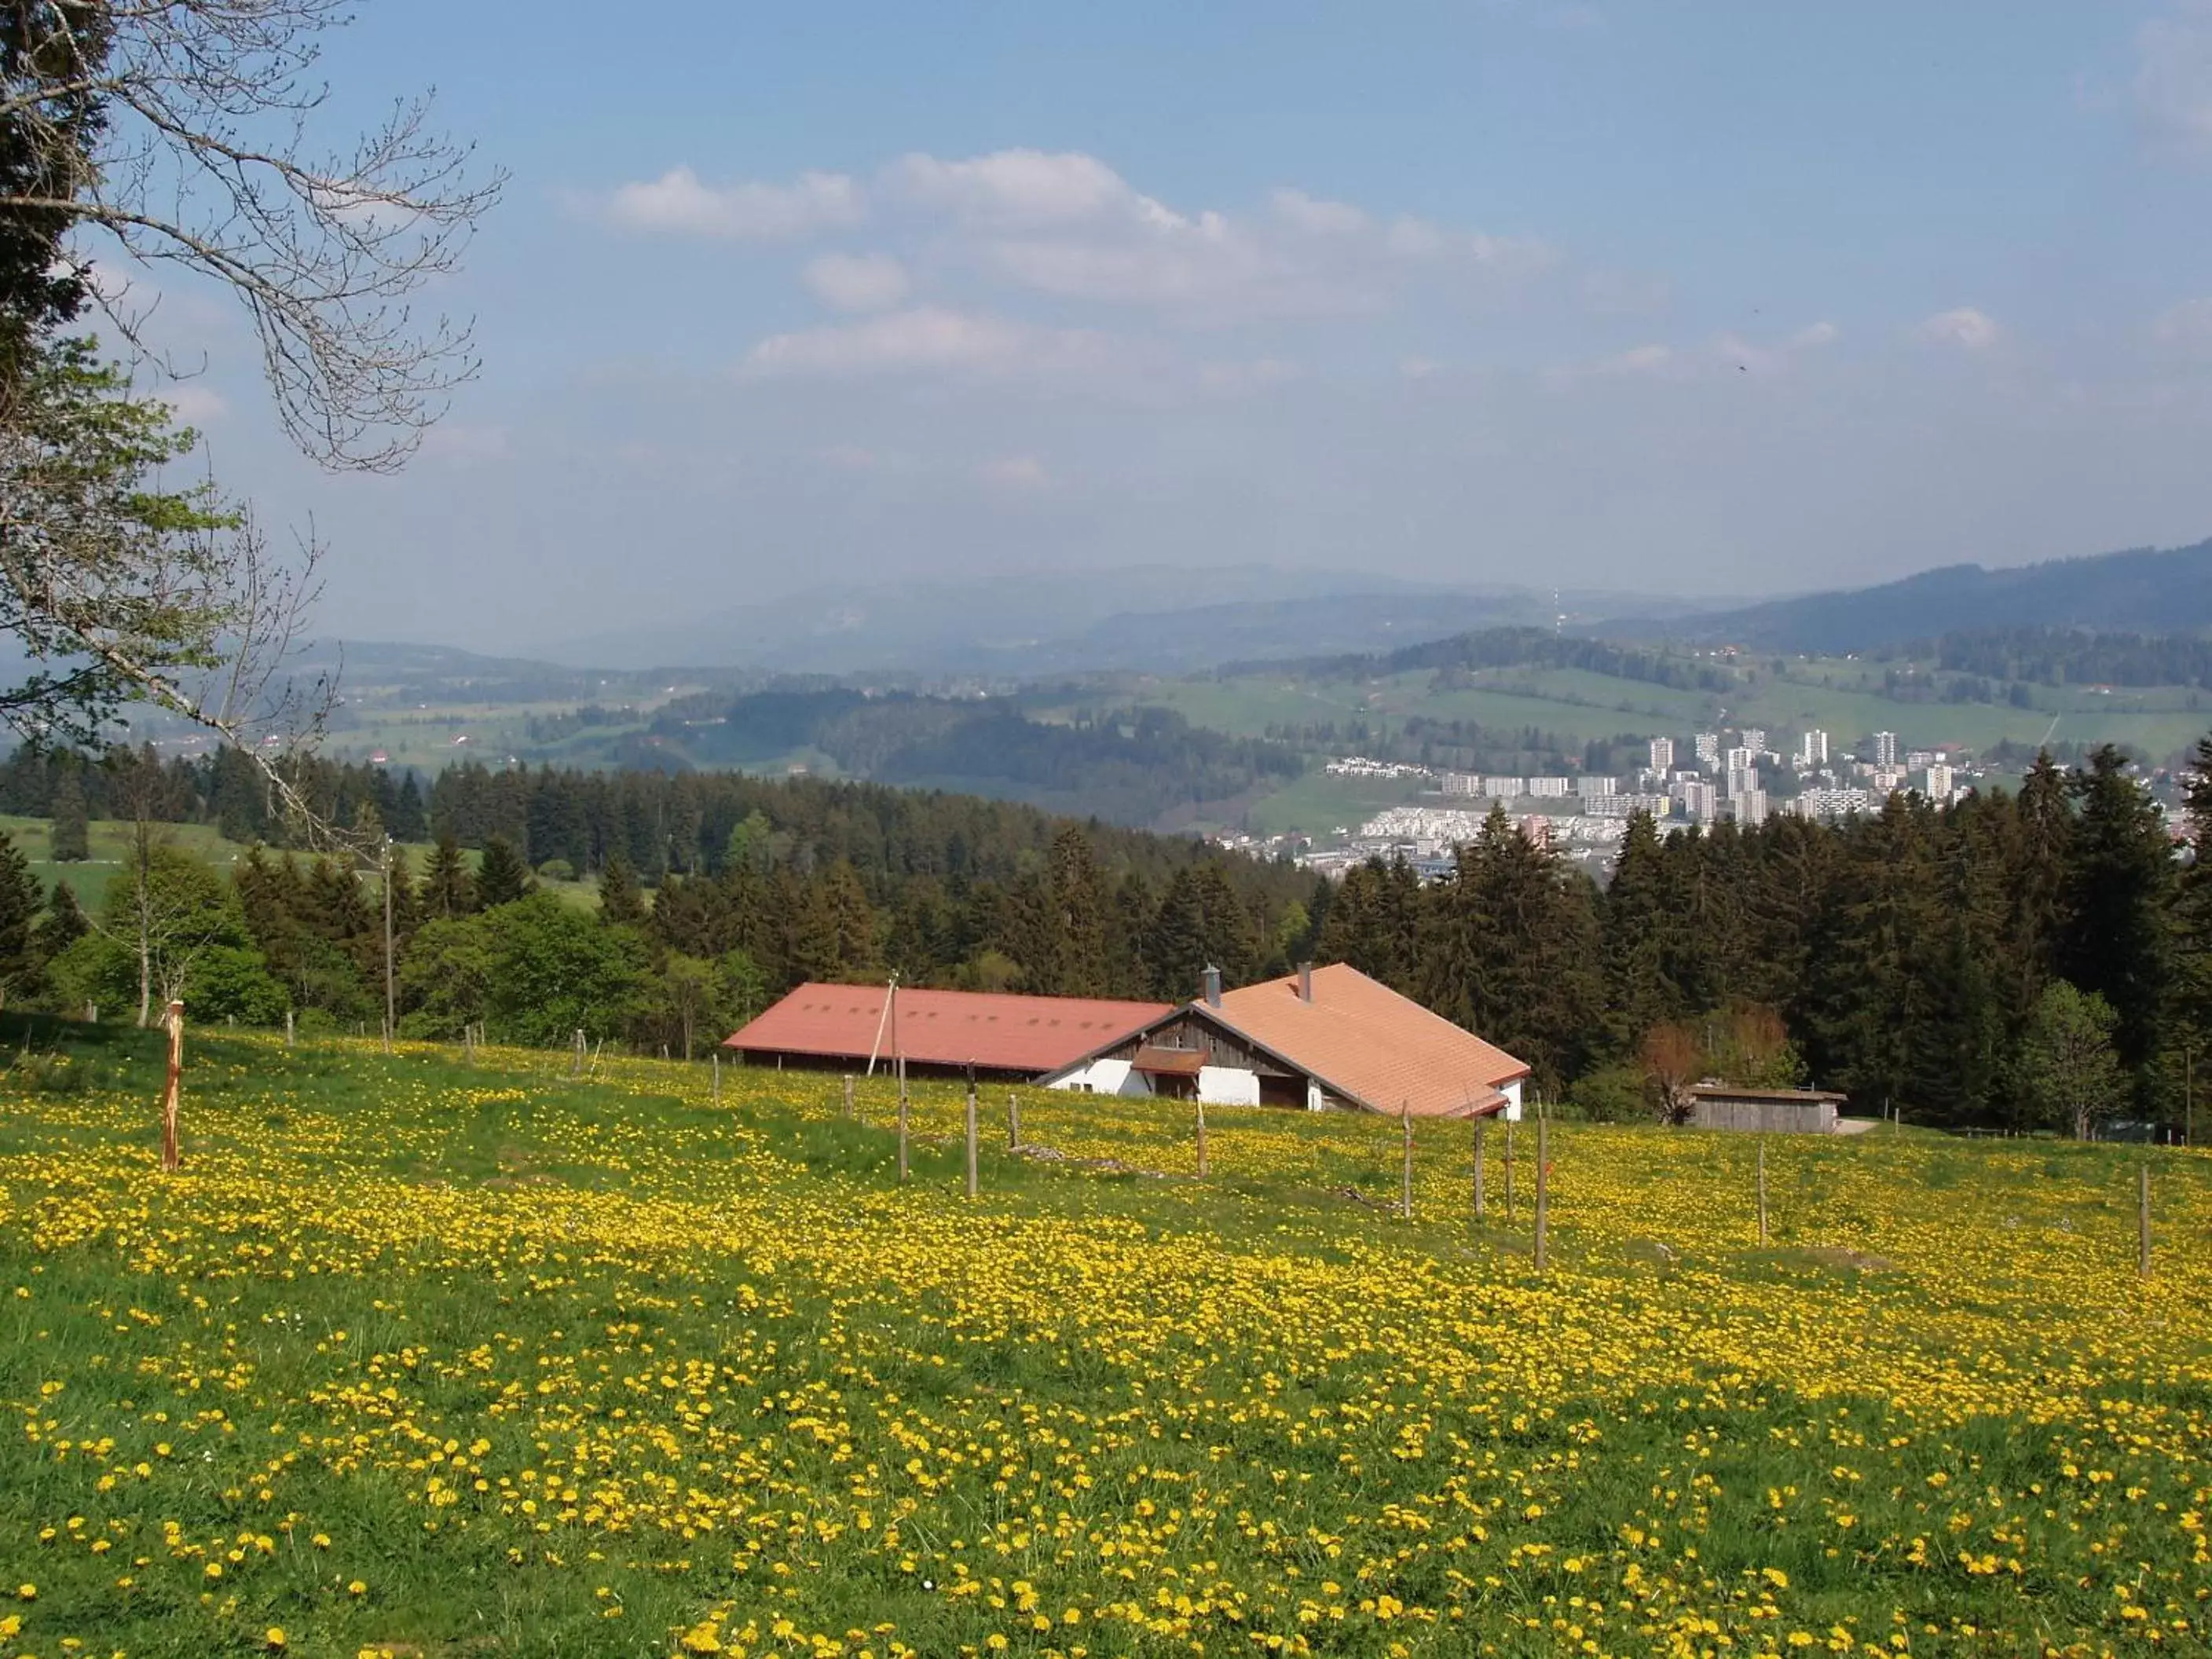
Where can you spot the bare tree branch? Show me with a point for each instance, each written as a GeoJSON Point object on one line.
{"type": "Point", "coordinates": [181, 130]}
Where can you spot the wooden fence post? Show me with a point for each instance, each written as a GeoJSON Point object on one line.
{"type": "Point", "coordinates": [971, 1130]}
{"type": "Point", "coordinates": [288, 1027]}
{"type": "Point", "coordinates": [1762, 1189]}
{"type": "Point", "coordinates": [171, 1156]}
{"type": "Point", "coordinates": [1201, 1140]}
{"type": "Point", "coordinates": [848, 1094]}
{"type": "Point", "coordinates": [576, 1065]}
{"type": "Point", "coordinates": [1406, 1179]}
{"type": "Point", "coordinates": [1013, 1121]}
{"type": "Point", "coordinates": [1543, 1182]}
{"type": "Point", "coordinates": [718, 1076]}
{"type": "Point", "coordinates": [2143, 1220]}
{"type": "Point", "coordinates": [1481, 1124]}
{"type": "Point", "coordinates": [1509, 1171]}
{"type": "Point", "coordinates": [902, 1116]}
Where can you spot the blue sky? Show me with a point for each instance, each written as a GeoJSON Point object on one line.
{"type": "Point", "coordinates": [1707, 298]}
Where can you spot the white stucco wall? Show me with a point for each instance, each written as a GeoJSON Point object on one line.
{"type": "Point", "coordinates": [1102, 1077]}
{"type": "Point", "coordinates": [1512, 1093]}
{"type": "Point", "coordinates": [1228, 1085]}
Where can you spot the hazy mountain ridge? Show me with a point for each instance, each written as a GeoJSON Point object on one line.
{"type": "Point", "coordinates": [1142, 618]}
{"type": "Point", "coordinates": [2157, 591]}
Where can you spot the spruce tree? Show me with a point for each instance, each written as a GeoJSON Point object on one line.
{"type": "Point", "coordinates": [2119, 881]}
{"type": "Point", "coordinates": [62, 924]}
{"type": "Point", "coordinates": [1079, 904]}
{"type": "Point", "coordinates": [502, 877]}
{"type": "Point", "coordinates": [448, 889]}
{"type": "Point", "coordinates": [21, 901]}
{"type": "Point", "coordinates": [622, 901]}
{"type": "Point", "coordinates": [72, 830]}
{"type": "Point", "coordinates": [1637, 919]}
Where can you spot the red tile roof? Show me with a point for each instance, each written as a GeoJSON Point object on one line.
{"type": "Point", "coordinates": [1373, 1047]}
{"type": "Point", "coordinates": [944, 1027]}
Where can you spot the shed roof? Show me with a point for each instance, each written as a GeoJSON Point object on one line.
{"type": "Point", "coordinates": [1363, 1041]}
{"type": "Point", "coordinates": [1777, 1097]}
{"type": "Point", "coordinates": [944, 1028]}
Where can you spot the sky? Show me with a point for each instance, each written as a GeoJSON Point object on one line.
{"type": "Point", "coordinates": [1716, 299]}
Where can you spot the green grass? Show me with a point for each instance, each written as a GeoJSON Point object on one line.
{"type": "Point", "coordinates": [109, 842]}
{"type": "Point", "coordinates": [511, 1351]}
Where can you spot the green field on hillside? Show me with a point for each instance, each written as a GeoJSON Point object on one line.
{"type": "Point", "coordinates": [110, 841]}
{"type": "Point", "coordinates": [413, 1357]}
{"type": "Point", "coordinates": [1576, 706]}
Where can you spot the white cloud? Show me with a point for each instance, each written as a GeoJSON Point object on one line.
{"type": "Point", "coordinates": [1015, 187]}
{"type": "Point", "coordinates": [1066, 225]}
{"type": "Point", "coordinates": [1964, 328]}
{"type": "Point", "coordinates": [928, 338]}
{"type": "Point", "coordinates": [2187, 325]}
{"type": "Point", "coordinates": [1314, 216]}
{"type": "Point", "coordinates": [2172, 87]}
{"type": "Point", "coordinates": [196, 405]}
{"type": "Point", "coordinates": [1725, 354]}
{"type": "Point", "coordinates": [680, 204]}
{"type": "Point", "coordinates": [857, 282]}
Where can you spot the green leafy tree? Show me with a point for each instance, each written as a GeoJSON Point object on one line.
{"type": "Point", "coordinates": [557, 970]}
{"type": "Point", "coordinates": [2072, 1065]}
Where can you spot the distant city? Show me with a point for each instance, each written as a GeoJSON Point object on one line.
{"type": "Point", "coordinates": [1735, 774]}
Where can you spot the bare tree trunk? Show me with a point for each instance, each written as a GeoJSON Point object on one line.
{"type": "Point", "coordinates": [171, 1155]}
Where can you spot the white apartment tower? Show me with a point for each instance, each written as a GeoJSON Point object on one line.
{"type": "Point", "coordinates": [1708, 748]}
{"type": "Point", "coordinates": [1662, 754]}
{"type": "Point", "coordinates": [1885, 749]}
{"type": "Point", "coordinates": [1812, 749]}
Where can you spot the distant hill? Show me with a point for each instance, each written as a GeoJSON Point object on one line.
{"type": "Point", "coordinates": [2144, 590]}
{"type": "Point", "coordinates": [1143, 618]}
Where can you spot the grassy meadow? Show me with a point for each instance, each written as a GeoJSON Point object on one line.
{"type": "Point", "coordinates": [109, 842]}
{"type": "Point", "coordinates": [418, 1357]}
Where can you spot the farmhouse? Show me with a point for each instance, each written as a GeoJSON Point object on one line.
{"type": "Point", "coordinates": [1320, 1038]}
{"type": "Point", "coordinates": [840, 1028]}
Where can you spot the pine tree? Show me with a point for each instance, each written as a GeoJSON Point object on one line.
{"type": "Point", "coordinates": [71, 832]}
{"type": "Point", "coordinates": [622, 901]}
{"type": "Point", "coordinates": [2120, 881]}
{"type": "Point", "coordinates": [1636, 922]}
{"type": "Point", "coordinates": [64, 924]}
{"type": "Point", "coordinates": [405, 818]}
{"type": "Point", "coordinates": [1079, 904]}
{"type": "Point", "coordinates": [448, 889]}
{"type": "Point", "coordinates": [502, 877]}
{"type": "Point", "coordinates": [1176, 944]}
{"type": "Point", "coordinates": [21, 901]}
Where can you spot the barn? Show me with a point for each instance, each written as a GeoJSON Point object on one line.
{"type": "Point", "coordinates": [1321, 1038]}
{"type": "Point", "coordinates": [842, 1027]}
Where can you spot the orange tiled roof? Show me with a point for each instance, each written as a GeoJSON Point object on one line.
{"type": "Point", "coordinates": [1367, 1043]}
{"type": "Point", "coordinates": [944, 1027]}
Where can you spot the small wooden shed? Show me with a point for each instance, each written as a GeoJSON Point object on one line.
{"type": "Point", "coordinates": [1765, 1111]}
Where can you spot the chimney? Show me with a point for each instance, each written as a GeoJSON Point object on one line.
{"type": "Point", "coordinates": [1212, 986]}
{"type": "Point", "coordinates": [1305, 981]}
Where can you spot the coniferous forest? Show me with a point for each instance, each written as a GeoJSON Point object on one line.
{"type": "Point", "coordinates": [2037, 958]}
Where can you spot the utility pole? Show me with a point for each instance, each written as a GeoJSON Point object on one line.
{"type": "Point", "coordinates": [391, 980]}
